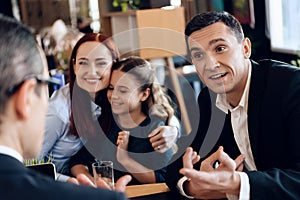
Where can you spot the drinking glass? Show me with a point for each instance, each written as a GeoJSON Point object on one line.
{"type": "Point", "coordinates": [105, 171]}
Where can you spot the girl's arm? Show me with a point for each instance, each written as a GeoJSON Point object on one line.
{"type": "Point", "coordinates": [139, 171]}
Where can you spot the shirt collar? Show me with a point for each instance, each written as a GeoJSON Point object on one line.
{"type": "Point", "coordinates": [11, 152]}
{"type": "Point", "coordinates": [223, 104]}
{"type": "Point", "coordinates": [95, 108]}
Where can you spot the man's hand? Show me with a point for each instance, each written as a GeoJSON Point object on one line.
{"type": "Point", "coordinates": [163, 138]}
{"type": "Point", "coordinates": [212, 181]}
{"type": "Point", "coordinates": [190, 158]}
{"type": "Point", "coordinates": [120, 185]}
{"type": "Point", "coordinates": [220, 161]}
{"type": "Point", "coordinates": [81, 179]}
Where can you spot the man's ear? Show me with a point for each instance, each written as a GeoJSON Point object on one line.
{"type": "Point", "coordinates": [24, 98]}
{"type": "Point", "coordinates": [146, 94]}
{"type": "Point", "coordinates": [247, 48]}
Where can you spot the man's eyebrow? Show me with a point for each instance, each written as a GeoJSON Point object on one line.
{"type": "Point", "coordinates": [216, 40]}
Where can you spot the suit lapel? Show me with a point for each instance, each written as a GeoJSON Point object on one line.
{"type": "Point", "coordinates": [257, 86]}
{"type": "Point", "coordinates": [9, 163]}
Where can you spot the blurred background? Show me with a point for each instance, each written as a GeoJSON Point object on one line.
{"type": "Point", "coordinates": [274, 28]}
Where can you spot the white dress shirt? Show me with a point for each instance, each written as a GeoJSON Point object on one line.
{"type": "Point", "coordinates": [239, 122]}
{"type": "Point", "coordinates": [11, 152]}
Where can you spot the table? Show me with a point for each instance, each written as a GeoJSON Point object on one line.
{"type": "Point", "coordinates": [152, 192]}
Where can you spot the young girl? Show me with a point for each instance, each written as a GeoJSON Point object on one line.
{"type": "Point", "coordinates": [139, 105]}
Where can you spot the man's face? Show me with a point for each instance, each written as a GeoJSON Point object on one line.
{"type": "Point", "coordinates": [33, 137]}
{"type": "Point", "coordinates": [220, 60]}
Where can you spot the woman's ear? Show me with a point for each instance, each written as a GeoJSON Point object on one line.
{"type": "Point", "coordinates": [145, 94]}
{"type": "Point", "coordinates": [24, 98]}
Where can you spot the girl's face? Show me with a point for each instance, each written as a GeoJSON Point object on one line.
{"type": "Point", "coordinates": [124, 94]}
{"type": "Point", "coordinates": [93, 66]}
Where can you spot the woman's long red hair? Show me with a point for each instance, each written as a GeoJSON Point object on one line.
{"type": "Point", "coordinates": [81, 105]}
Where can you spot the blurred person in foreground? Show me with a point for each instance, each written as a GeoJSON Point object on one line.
{"type": "Point", "coordinates": [23, 105]}
{"type": "Point", "coordinates": [258, 107]}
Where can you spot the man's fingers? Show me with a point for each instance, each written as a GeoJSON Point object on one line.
{"type": "Point", "coordinates": [226, 161]}
{"type": "Point", "coordinates": [209, 163]}
{"type": "Point", "coordinates": [188, 158]}
{"type": "Point", "coordinates": [84, 180]}
{"type": "Point", "coordinates": [240, 162]}
{"type": "Point", "coordinates": [73, 180]}
{"type": "Point", "coordinates": [102, 184]}
{"type": "Point", "coordinates": [122, 182]}
{"type": "Point", "coordinates": [119, 186]}
{"type": "Point", "coordinates": [195, 157]}
{"type": "Point", "coordinates": [190, 173]}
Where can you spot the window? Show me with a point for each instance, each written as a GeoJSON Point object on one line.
{"type": "Point", "coordinates": [283, 19]}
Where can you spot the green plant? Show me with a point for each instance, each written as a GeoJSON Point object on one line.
{"type": "Point", "coordinates": [35, 161]}
{"type": "Point", "coordinates": [126, 4]}
{"type": "Point", "coordinates": [296, 62]}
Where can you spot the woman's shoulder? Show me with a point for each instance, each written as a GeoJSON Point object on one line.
{"type": "Point", "coordinates": [61, 96]}
{"type": "Point", "coordinates": [60, 102]}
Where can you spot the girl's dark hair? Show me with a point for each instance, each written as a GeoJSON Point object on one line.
{"type": "Point", "coordinates": [158, 103]}
{"type": "Point", "coordinates": [81, 105]}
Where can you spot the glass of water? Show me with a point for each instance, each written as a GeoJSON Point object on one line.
{"type": "Point", "coordinates": [104, 170]}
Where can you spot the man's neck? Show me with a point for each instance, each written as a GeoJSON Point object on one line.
{"type": "Point", "coordinates": [234, 97]}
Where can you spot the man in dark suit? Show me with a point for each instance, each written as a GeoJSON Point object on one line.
{"type": "Point", "coordinates": [260, 102]}
{"type": "Point", "coordinates": [23, 105]}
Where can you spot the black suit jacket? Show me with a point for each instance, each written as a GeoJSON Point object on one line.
{"type": "Point", "coordinates": [19, 182]}
{"type": "Point", "coordinates": [274, 131]}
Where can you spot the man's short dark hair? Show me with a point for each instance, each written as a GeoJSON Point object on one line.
{"type": "Point", "coordinates": [203, 20]}
{"type": "Point", "coordinates": [19, 55]}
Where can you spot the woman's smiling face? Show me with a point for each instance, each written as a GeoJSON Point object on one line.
{"type": "Point", "coordinates": [93, 66]}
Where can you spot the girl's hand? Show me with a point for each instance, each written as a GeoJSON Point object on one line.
{"type": "Point", "coordinates": [122, 143]}
{"type": "Point", "coordinates": [123, 140]}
